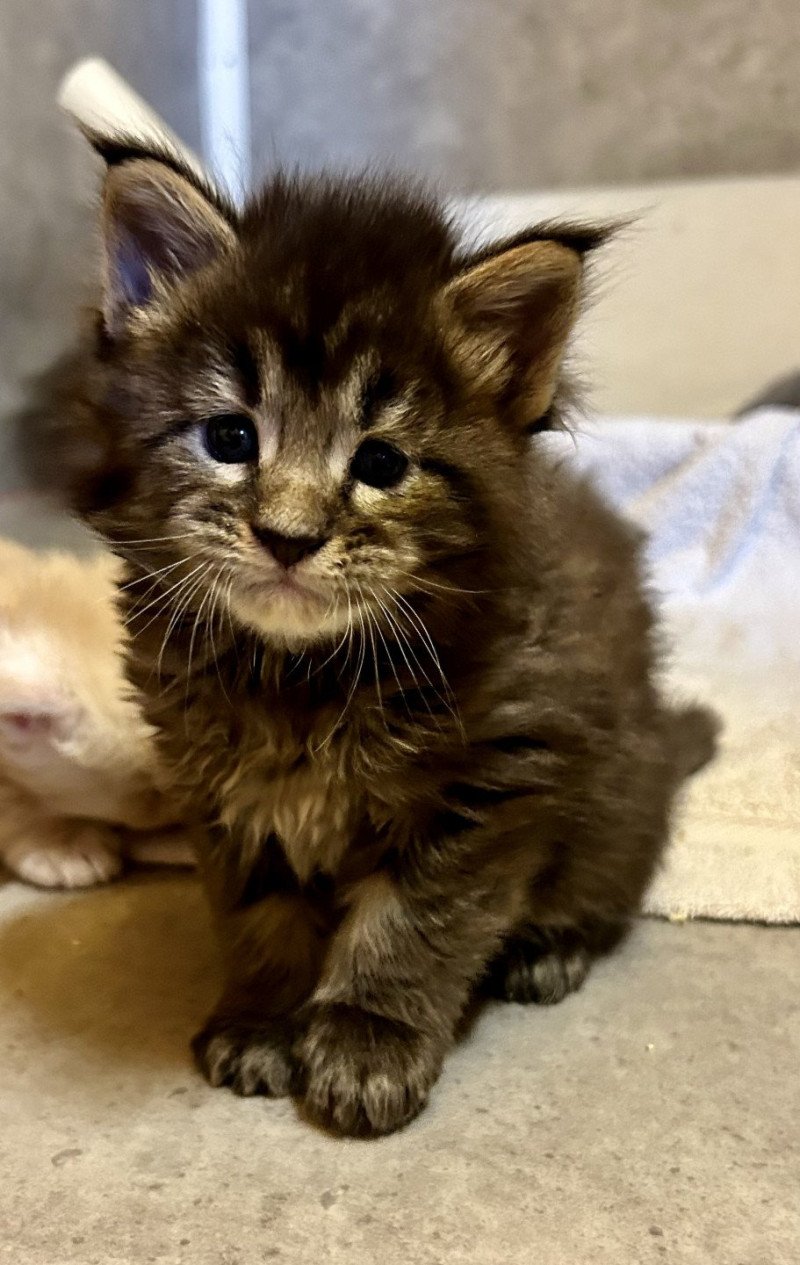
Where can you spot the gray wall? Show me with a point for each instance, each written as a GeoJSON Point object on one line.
{"type": "Point", "coordinates": [47, 177]}
{"type": "Point", "coordinates": [508, 94]}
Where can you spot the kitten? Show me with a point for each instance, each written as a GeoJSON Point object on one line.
{"type": "Point", "coordinates": [77, 760]}
{"type": "Point", "coordinates": [403, 666]}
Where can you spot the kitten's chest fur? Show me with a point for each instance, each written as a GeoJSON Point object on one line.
{"type": "Point", "coordinates": [310, 807]}
{"type": "Point", "coordinates": [273, 767]}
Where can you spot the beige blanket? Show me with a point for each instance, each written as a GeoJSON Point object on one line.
{"type": "Point", "coordinates": [721, 504]}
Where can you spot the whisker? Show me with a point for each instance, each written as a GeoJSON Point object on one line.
{"type": "Point", "coordinates": [228, 613]}
{"type": "Point", "coordinates": [351, 632]}
{"type": "Point", "coordinates": [148, 540]}
{"type": "Point", "coordinates": [445, 588]}
{"type": "Point", "coordinates": [353, 684]}
{"type": "Point", "coordinates": [160, 602]}
{"type": "Point", "coordinates": [296, 665]}
{"type": "Point", "coordinates": [369, 617]}
{"type": "Point", "coordinates": [416, 621]}
{"type": "Point", "coordinates": [335, 650]}
{"type": "Point", "coordinates": [214, 613]}
{"type": "Point", "coordinates": [422, 628]}
{"type": "Point", "coordinates": [392, 595]}
{"type": "Point", "coordinates": [403, 643]}
{"type": "Point", "coordinates": [181, 607]}
{"type": "Point", "coordinates": [192, 639]}
{"type": "Point", "coordinates": [379, 631]}
{"type": "Point", "coordinates": [152, 575]}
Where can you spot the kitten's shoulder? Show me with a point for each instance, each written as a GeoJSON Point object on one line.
{"type": "Point", "coordinates": [588, 585]}
{"type": "Point", "coordinates": [574, 515]}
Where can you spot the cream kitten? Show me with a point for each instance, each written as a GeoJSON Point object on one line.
{"type": "Point", "coordinates": [77, 764]}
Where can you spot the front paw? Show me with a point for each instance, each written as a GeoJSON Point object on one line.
{"type": "Point", "coordinates": [365, 1075]}
{"type": "Point", "coordinates": [68, 854]}
{"type": "Point", "coordinates": [250, 1057]}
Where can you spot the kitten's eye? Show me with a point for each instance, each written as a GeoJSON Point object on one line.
{"type": "Point", "coordinates": [378, 464]}
{"type": "Point", "coordinates": [231, 438]}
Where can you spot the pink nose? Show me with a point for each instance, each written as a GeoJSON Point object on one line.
{"type": "Point", "coordinates": [287, 550]}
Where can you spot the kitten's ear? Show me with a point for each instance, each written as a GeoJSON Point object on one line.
{"type": "Point", "coordinates": [517, 305]}
{"type": "Point", "coordinates": [157, 223]}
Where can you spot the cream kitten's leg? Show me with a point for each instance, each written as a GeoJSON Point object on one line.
{"type": "Point", "coordinates": [159, 847]}
{"type": "Point", "coordinates": [62, 853]}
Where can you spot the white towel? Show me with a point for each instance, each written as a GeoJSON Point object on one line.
{"type": "Point", "coordinates": [721, 506]}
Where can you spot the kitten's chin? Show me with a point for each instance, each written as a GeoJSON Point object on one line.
{"type": "Point", "coordinates": [289, 619]}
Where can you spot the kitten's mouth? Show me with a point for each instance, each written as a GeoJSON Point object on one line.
{"type": "Point", "coordinates": [287, 585]}
{"type": "Point", "coordinates": [286, 592]}
{"type": "Point", "coordinates": [282, 605]}
{"type": "Point", "coordinates": [283, 586]}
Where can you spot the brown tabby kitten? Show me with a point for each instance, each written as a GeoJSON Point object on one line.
{"type": "Point", "coordinates": [401, 664]}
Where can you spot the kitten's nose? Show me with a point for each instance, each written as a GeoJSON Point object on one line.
{"type": "Point", "coordinates": [287, 549]}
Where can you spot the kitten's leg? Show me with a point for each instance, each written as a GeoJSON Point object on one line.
{"type": "Point", "coordinates": [50, 852]}
{"type": "Point", "coordinates": [159, 847]}
{"type": "Point", "coordinates": [539, 965]}
{"type": "Point", "coordinates": [274, 953]}
{"type": "Point", "coordinates": [397, 977]}
{"type": "Point", "coordinates": [544, 964]}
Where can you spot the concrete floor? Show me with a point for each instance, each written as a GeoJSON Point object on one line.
{"type": "Point", "coordinates": [653, 1117]}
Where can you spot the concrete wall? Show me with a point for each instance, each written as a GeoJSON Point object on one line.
{"type": "Point", "coordinates": [509, 94]}
{"type": "Point", "coordinates": [47, 176]}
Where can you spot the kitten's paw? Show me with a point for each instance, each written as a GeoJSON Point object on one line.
{"type": "Point", "coordinates": [364, 1075]}
{"type": "Point", "coordinates": [250, 1058]}
{"type": "Point", "coordinates": [80, 855]}
{"type": "Point", "coordinates": [529, 970]}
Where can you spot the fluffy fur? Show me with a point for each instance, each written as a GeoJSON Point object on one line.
{"type": "Point", "coordinates": [78, 785]}
{"type": "Point", "coordinates": [418, 720]}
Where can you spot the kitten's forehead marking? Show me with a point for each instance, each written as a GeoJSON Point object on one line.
{"type": "Point", "coordinates": [266, 357]}
{"type": "Point", "coordinates": [318, 432]}
{"type": "Point", "coordinates": [217, 388]}
{"type": "Point", "coordinates": [345, 405]}
{"type": "Point", "coordinates": [213, 388]}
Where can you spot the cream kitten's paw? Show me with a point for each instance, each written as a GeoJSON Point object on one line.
{"type": "Point", "coordinates": [73, 854]}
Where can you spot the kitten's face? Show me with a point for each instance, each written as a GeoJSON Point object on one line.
{"type": "Point", "coordinates": [322, 412]}
{"type": "Point", "coordinates": [300, 502]}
